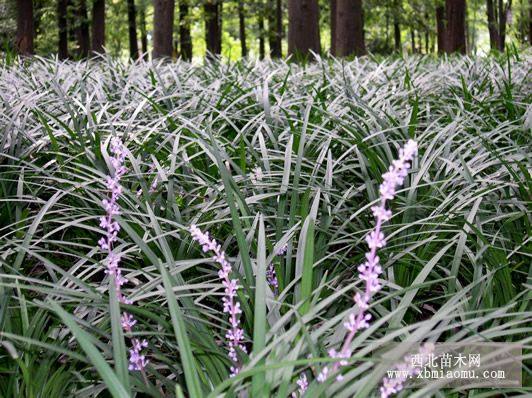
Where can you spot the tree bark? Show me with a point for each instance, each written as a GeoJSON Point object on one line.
{"type": "Point", "coordinates": [62, 50]}
{"type": "Point", "coordinates": [132, 29]}
{"type": "Point", "coordinates": [82, 31]}
{"type": "Point", "coordinates": [163, 28]}
{"type": "Point", "coordinates": [98, 26]}
{"type": "Point", "coordinates": [530, 22]}
{"type": "Point", "coordinates": [24, 39]}
{"type": "Point", "coordinates": [242, 28]}
{"type": "Point", "coordinates": [273, 37]}
{"type": "Point", "coordinates": [492, 25]}
{"type": "Point", "coordinates": [440, 28]}
{"type": "Point", "coordinates": [455, 37]}
{"type": "Point", "coordinates": [396, 26]}
{"type": "Point", "coordinates": [142, 28]}
{"type": "Point", "coordinates": [213, 26]}
{"type": "Point", "coordinates": [279, 28]}
{"type": "Point", "coordinates": [303, 27]}
{"type": "Point", "coordinates": [349, 35]}
{"type": "Point", "coordinates": [504, 10]}
{"type": "Point", "coordinates": [333, 26]}
{"type": "Point", "coordinates": [262, 50]}
{"type": "Point", "coordinates": [185, 40]}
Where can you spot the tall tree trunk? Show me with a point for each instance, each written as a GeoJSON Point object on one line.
{"type": "Point", "coordinates": [142, 28]}
{"type": "Point", "coordinates": [163, 28]}
{"type": "Point", "coordinates": [24, 43]}
{"type": "Point", "coordinates": [303, 27]}
{"type": "Point", "coordinates": [213, 26]}
{"type": "Point", "coordinates": [273, 37]}
{"type": "Point", "coordinates": [413, 40]}
{"type": "Point", "coordinates": [492, 25]}
{"type": "Point", "coordinates": [132, 29]}
{"type": "Point", "coordinates": [455, 37]}
{"type": "Point", "coordinates": [279, 28]}
{"type": "Point", "coordinates": [98, 26]}
{"type": "Point", "coordinates": [242, 28]}
{"type": "Point", "coordinates": [504, 11]}
{"type": "Point", "coordinates": [396, 26]}
{"type": "Point", "coordinates": [184, 31]}
{"type": "Point", "coordinates": [333, 26]}
{"type": "Point", "coordinates": [82, 31]}
{"type": "Point", "coordinates": [349, 36]}
{"type": "Point", "coordinates": [440, 29]}
{"type": "Point", "coordinates": [62, 50]}
{"type": "Point", "coordinates": [262, 51]}
{"type": "Point", "coordinates": [530, 22]}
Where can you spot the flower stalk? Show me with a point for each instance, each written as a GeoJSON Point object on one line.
{"type": "Point", "coordinates": [371, 269]}
{"type": "Point", "coordinates": [235, 333]}
{"type": "Point", "coordinates": [137, 361]}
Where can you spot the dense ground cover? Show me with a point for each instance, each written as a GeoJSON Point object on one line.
{"type": "Point", "coordinates": [260, 155]}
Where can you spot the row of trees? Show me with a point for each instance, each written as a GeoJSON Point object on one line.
{"type": "Point", "coordinates": [86, 23]}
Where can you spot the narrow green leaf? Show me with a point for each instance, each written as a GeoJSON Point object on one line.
{"type": "Point", "coordinates": [110, 379]}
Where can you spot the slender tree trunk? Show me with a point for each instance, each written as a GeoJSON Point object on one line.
{"type": "Point", "coordinates": [163, 28]}
{"type": "Point", "coordinates": [349, 36]}
{"type": "Point", "coordinates": [492, 25]}
{"type": "Point", "coordinates": [142, 28]}
{"type": "Point", "coordinates": [504, 11]}
{"type": "Point", "coordinates": [98, 26]}
{"type": "Point", "coordinates": [273, 36]}
{"type": "Point", "coordinates": [303, 27]}
{"type": "Point", "coordinates": [24, 43]}
{"type": "Point", "coordinates": [440, 29]}
{"type": "Point", "coordinates": [213, 26]}
{"type": "Point", "coordinates": [413, 40]}
{"type": "Point", "coordinates": [242, 28]}
{"type": "Point", "coordinates": [132, 29]}
{"type": "Point", "coordinates": [279, 28]}
{"type": "Point", "coordinates": [455, 37]}
{"type": "Point", "coordinates": [333, 26]}
{"type": "Point", "coordinates": [62, 50]}
{"type": "Point", "coordinates": [184, 31]}
{"type": "Point", "coordinates": [396, 26]}
{"type": "Point", "coordinates": [530, 22]}
{"type": "Point", "coordinates": [262, 50]}
{"type": "Point", "coordinates": [397, 36]}
{"type": "Point", "coordinates": [82, 31]}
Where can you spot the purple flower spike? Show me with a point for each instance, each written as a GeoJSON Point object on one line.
{"type": "Point", "coordinates": [235, 334]}
{"type": "Point", "coordinates": [271, 276]}
{"type": "Point", "coordinates": [137, 361]}
{"type": "Point", "coordinates": [370, 270]}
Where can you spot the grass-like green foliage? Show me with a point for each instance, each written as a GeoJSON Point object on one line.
{"type": "Point", "coordinates": [322, 134]}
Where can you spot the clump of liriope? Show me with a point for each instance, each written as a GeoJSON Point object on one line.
{"type": "Point", "coordinates": [327, 126]}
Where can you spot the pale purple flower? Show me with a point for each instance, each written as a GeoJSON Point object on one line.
{"type": "Point", "coordinates": [235, 334]}
{"type": "Point", "coordinates": [137, 361]}
{"type": "Point", "coordinates": [370, 270]}
{"type": "Point", "coordinates": [271, 276]}
{"type": "Point", "coordinates": [405, 370]}
{"type": "Point", "coordinates": [302, 384]}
